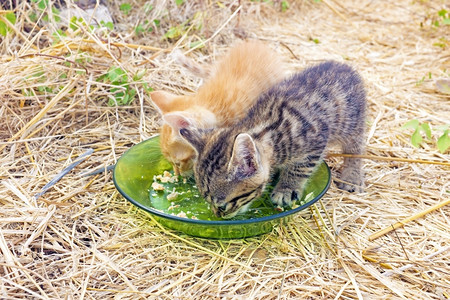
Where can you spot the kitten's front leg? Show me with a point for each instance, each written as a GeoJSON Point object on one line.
{"type": "Point", "coordinates": [292, 180]}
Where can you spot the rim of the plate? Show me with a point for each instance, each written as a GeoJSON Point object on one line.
{"type": "Point", "coordinates": [224, 222]}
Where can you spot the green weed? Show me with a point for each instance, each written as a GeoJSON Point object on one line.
{"type": "Point", "coordinates": [4, 28]}
{"type": "Point", "coordinates": [443, 142]}
{"type": "Point", "coordinates": [443, 18]}
{"type": "Point", "coordinates": [125, 8]}
{"type": "Point", "coordinates": [43, 7]}
{"type": "Point", "coordinates": [122, 90]}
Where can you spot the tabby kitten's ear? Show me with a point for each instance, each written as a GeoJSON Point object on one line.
{"type": "Point", "coordinates": [163, 100]}
{"type": "Point", "coordinates": [194, 137]}
{"type": "Point", "coordinates": [244, 161]}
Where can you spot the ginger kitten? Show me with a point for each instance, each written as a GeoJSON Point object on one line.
{"type": "Point", "coordinates": [236, 81]}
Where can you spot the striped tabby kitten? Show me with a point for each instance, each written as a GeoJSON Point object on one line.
{"type": "Point", "coordinates": [287, 130]}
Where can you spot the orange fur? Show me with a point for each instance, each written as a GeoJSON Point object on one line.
{"type": "Point", "coordinates": [237, 80]}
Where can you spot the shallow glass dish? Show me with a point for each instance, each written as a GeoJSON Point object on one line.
{"type": "Point", "coordinates": [134, 174]}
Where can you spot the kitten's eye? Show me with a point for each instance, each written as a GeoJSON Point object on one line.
{"type": "Point", "coordinates": [222, 208]}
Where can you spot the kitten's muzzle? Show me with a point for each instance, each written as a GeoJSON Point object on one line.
{"type": "Point", "coordinates": [221, 211]}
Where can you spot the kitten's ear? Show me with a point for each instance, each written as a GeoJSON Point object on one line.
{"type": "Point", "coordinates": [244, 160]}
{"type": "Point", "coordinates": [177, 121]}
{"type": "Point", "coordinates": [163, 101]}
{"type": "Point", "coordinates": [194, 137]}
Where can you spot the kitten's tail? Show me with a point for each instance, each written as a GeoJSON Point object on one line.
{"type": "Point", "coordinates": [190, 65]}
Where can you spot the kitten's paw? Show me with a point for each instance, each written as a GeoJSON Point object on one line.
{"type": "Point", "coordinates": [284, 198]}
{"type": "Point", "coordinates": [352, 181]}
{"type": "Point", "coordinates": [352, 188]}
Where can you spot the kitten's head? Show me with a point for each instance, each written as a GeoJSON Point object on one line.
{"type": "Point", "coordinates": [228, 169]}
{"type": "Point", "coordinates": [179, 112]}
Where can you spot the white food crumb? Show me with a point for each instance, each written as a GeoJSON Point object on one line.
{"type": "Point", "coordinates": [172, 196]}
{"type": "Point", "coordinates": [194, 218]}
{"type": "Point", "coordinates": [182, 214]}
{"type": "Point", "coordinates": [157, 187]}
{"type": "Point", "coordinates": [166, 177]}
{"type": "Point", "coordinates": [173, 206]}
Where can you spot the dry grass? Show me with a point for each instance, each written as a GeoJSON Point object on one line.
{"type": "Point", "coordinates": [82, 240]}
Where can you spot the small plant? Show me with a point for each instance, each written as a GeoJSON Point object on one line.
{"type": "Point", "coordinates": [195, 23]}
{"type": "Point", "coordinates": [4, 28]}
{"type": "Point", "coordinates": [284, 5]}
{"type": "Point", "coordinates": [422, 80]}
{"type": "Point", "coordinates": [58, 35]}
{"type": "Point", "coordinates": [123, 93]}
{"type": "Point", "coordinates": [443, 19]}
{"type": "Point", "coordinates": [147, 25]}
{"type": "Point", "coordinates": [443, 142]}
{"type": "Point", "coordinates": [125, 8]}
{"type": "Point", "coordinates": [43, 6]}
{"type": "Point", "coordinates": [109, 25]}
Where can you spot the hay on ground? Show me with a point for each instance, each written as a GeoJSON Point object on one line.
{"type": "Point", "coordinates": [82, 240]}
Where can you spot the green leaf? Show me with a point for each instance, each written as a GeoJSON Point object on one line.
{"type": "Point", "coordinates": [3, 28]}
{"type": "Point", "coordinates": [284, 6]}
{"type": "Point", "coordinates": [139, 29]}
{"type": "Point", "coordinates": [147, 88]}
{"type": "Point", "coordinates": [117, 76]}
{"type": "Point", "coordinates": [443, 142]}
{"type": "Point", "coordinates": [416, 138]}
{"type": "Point", "coordinates": [179, 2]}
{"type": "Point", "coordinates": [414, 124]}
{"type": "Point", "coordinates": [442, 13]}
{"type": "Point", "coordinates": [33, 17]}
{"type": "Point", "coordinates": [73, 23]}
{"type": "Point", "coordinates": [427, 129]}
{"type": "Point", "coordinates": [125, 8]}
{"type": "Point", "coordinates": [11, 17]}
{"type": "Point", "coordinates": [42, 4]}
{"type": "Point", "coordinates": [109, 25]}
{"type": "Point", "coordinates": [446, 21]}
{"type": "Point", "coordinates": [138, 76]}
{"type": "Point", "coordinates": [173, 32]}
{"type": "Point", "coordinates": [57, 36]}
{"type": "Point", "coordinates": [197, 44]}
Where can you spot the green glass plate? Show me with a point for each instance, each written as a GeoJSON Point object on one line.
{"type": "Point", "coordinates": [134, 174]}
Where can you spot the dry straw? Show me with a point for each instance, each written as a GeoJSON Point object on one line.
{"type": "Point", "coordinates": [82, 240]}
